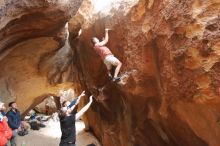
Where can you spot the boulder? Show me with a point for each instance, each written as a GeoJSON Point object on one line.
{"type": "Point", "coordinates": [35, 58]}
{"type": "Point", "coordinates": [169, 92]}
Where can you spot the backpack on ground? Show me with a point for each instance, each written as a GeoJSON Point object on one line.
{"type": "Point", "coordinates": [22, 132]}
{"type": "Point", "coordinates": [34, 125]}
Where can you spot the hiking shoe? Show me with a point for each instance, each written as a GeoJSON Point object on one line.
{"type": "Point", "coordinates": [116, 79]}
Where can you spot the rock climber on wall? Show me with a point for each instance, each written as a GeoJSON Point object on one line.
{"type": "Point", "coordinates": [107, 56]}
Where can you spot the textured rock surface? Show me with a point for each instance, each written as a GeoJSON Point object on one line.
{"type": "Point", "coordinates": [169, 95]}
{"type": "Point", "coordinates": [170, 54]}
{"type": "Point", "coordinates": [48, 106]}
{"type": "Point", "coordinates": [35, 58]}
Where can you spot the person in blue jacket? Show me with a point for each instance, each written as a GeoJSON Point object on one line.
{"type": "Point", "coordinates": [14, 121]}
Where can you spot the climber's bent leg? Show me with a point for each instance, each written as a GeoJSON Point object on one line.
{"type": "Point", "coordinates": [117, 69]}
{"type": "Point", "coordinates": [108, 65]}
{"type": "Point", "coordinates": [110, 61]}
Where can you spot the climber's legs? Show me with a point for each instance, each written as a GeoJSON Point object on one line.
{"type": "Point", "coordinates": [113, 61]}
{"type": "Point", "coordinates": [117, 71]}
{"type": "Point", "coordinates": [109, 74]}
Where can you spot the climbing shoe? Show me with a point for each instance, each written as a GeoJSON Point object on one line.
{"type": "Point", "coordinates": [116, 79]}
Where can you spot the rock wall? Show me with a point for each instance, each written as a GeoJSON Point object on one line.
{"type": "Point", "coordinates": [35, 56]}
{"type": "Point", "coordinates": [48, 106]}
{"type": "Point", "coordinates": [169, 94]}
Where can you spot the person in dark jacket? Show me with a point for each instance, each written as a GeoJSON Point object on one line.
{"type": "Point", "coordinates": [67, 123]}
{"type": "Point", "coordinates": [14, 121]}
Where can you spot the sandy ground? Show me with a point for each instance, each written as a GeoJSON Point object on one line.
{"type": "Point", "coordinates": [50, 136]}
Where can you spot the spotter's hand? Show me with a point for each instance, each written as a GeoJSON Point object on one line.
{"type": "Point", "coordinates": [83, 93]}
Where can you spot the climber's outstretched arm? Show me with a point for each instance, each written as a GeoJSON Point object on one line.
{"type": "Point", "coordinates": [76, 101]}
{"type": "Point", "coordinates": [84, 109]}
{"type": "Point", "coordinates": [105, 41]}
